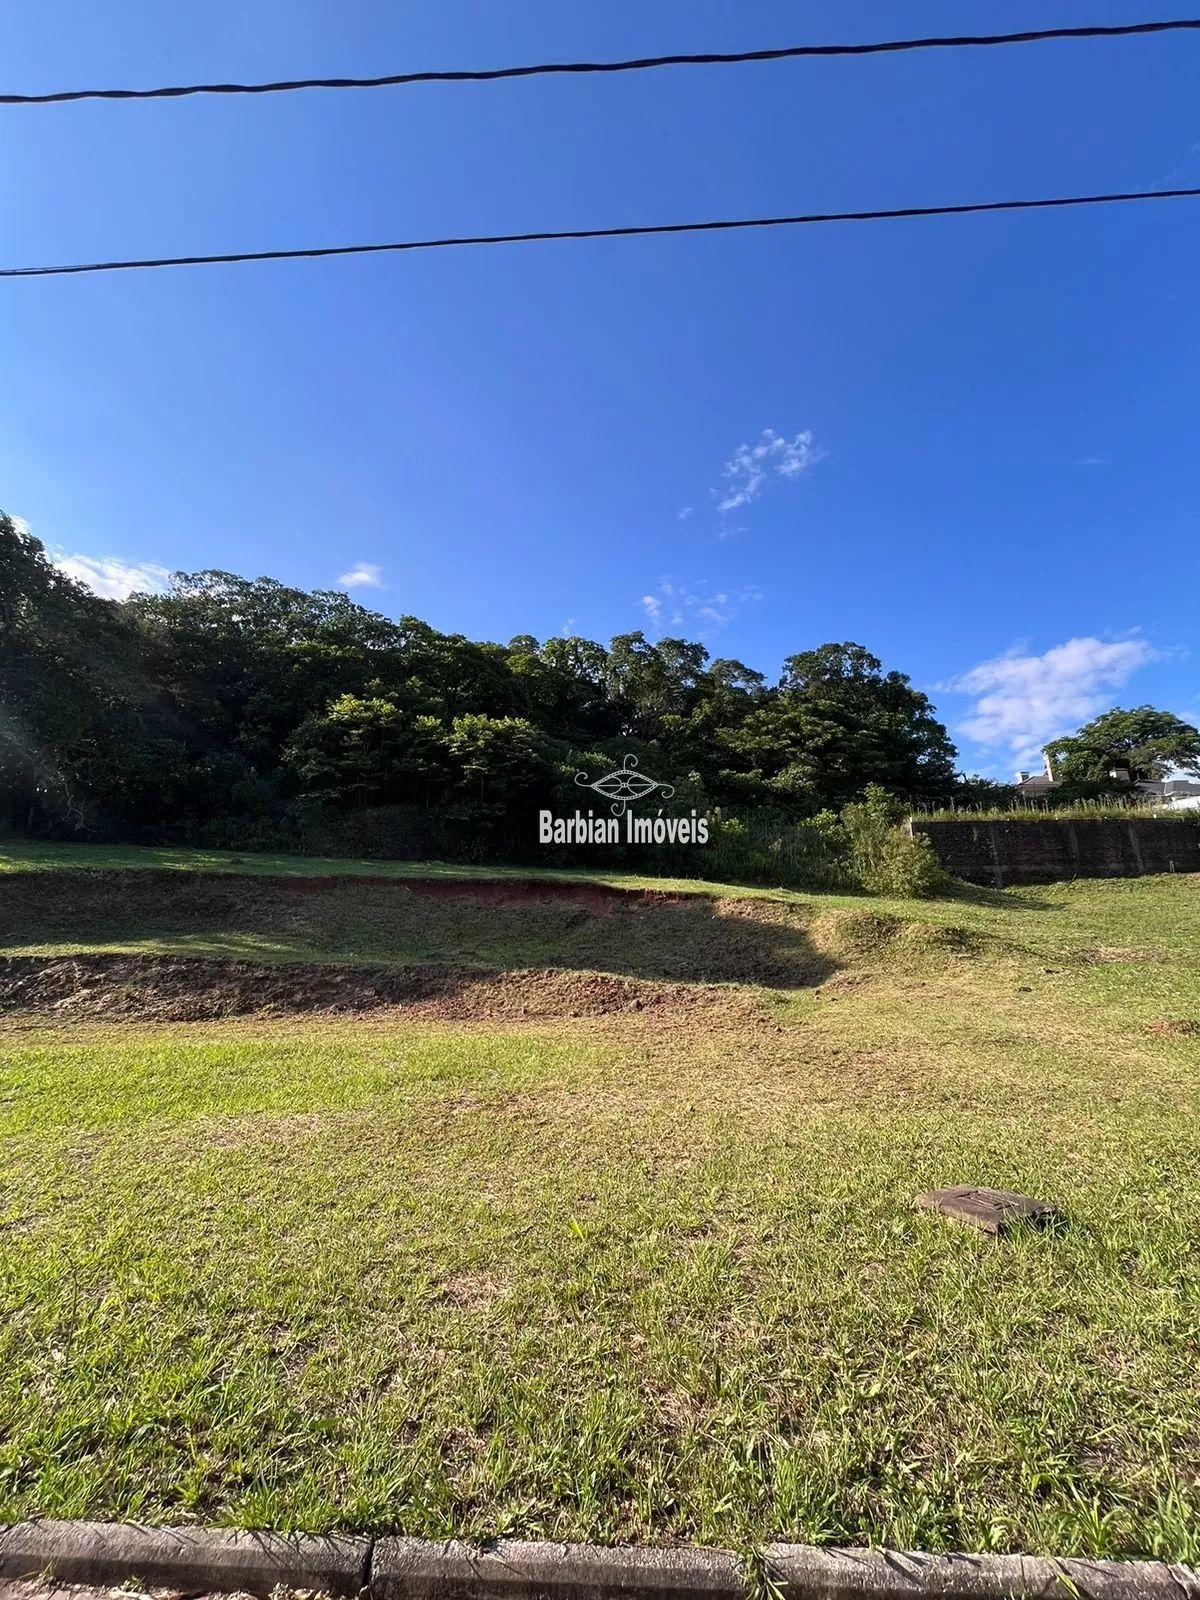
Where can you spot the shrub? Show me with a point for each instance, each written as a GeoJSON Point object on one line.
{"type": "Point", "coordinates": [906, 869]}
{"type": "Point", "coordinates": [772, 849]}
{"type": "Point", "coordinates": [884, 857]}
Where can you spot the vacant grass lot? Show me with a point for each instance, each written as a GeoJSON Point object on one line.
{"type": "Point", "coordinates": [42, 856]}
{"type": "Point", "coordinates": [639, 1276]}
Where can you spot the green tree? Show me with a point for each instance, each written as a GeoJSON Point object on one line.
{"type": "Point", "coordinates": [721, 697]}
{"type": "Point", "coordinates": [862, 725]}
{"type": "Point", "coordinates": [368, 751]}
{"type": "Point", "coordinates": [976, 794]}
{"type": "Point", "coordinates": [246, 660]}
{"type": "Point", "coordinates": [652, 682]}
{"type": "Point", "coordinates": [578, 672]}
{"type": "Point", "coordinates": [837, 723]}
{"type": "Point", "coordinates": [85, 738]}
{"type": "Point", "coordinates": [1123, 747]}
{"type": "Point", "coordinates": [214, 709]}
{"type": "Point", "coordinates": [500, 762]}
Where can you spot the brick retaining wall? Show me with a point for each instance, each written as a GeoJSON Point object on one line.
{"type": "Point", "coordinates": [1043, 849]}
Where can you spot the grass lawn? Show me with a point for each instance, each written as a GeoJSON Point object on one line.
{"type": "Point", "coordinates": [19, 855]}
{"type": "Point", "coordinates": [638, 1276]}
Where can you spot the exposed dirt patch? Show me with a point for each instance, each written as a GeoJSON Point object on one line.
{"type": "Point", "coordinates": [555, 993]}
{"type": "Point", "coordinates": [846, 984]}
{"type": "Point", "coordinates": [482, 924]}
{"type": "Point", "coordinates": [195, 988]}
{"type": "Point", "coordinates": [1175, 1028]}
{"type": "Point", "coordinates": [471, 1291]}
{"type": "Point", "coordinates": [598, 898]}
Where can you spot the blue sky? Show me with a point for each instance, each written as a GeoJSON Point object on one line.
{"type": "Point", "coordinates": [969, 444]}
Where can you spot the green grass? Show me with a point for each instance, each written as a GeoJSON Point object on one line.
{"type": "Point", "coordinates": [716, 931]}
{"type": "Point", "coordinates": [22, 855]}
{"type": "Point", "coordinates": [637, 1277]}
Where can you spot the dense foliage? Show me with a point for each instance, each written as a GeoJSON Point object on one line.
{"type": "Point", "coordinates": [1125, 747]}
{"type": "Point", "coordinates": [244, 713]}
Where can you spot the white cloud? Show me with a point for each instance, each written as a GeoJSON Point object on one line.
{"type": "Point", "coordinates": [676, 605]}
{"type": "Point", "coordinates": [1092, 461]}
{"type": "Point", "coordinates": [111, 578]}
{"type": "Point", "coordinates": [1024, 701]}
{"type": "Point", "coordinates": [362, 575]}
{"type": "Point", "coordinates": [685, 512]}
{"type": "Point", "coordinates": [748, 470]}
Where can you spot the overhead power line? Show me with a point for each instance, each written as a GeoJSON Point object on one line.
{"type": "Point", "coordinates": [725, 225]}
{"type": "Point", "coordinates": [640, 64]}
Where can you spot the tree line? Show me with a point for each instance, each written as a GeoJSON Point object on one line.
{"type": "Point", "coordinates": [244, 713]}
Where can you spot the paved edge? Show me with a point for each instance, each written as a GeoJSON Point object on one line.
{"type": "Point", "coordinates": [213, 1559]}
{"type": "Point", "coordinates": [801, 1572]}
{"type": "Point", "coordinates": [195, 1559]}
{"type": "Point", "coordinates": [517, 1569]}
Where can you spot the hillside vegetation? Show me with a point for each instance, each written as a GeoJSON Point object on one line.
{"type": "Point", "coordinates": [231, 712]}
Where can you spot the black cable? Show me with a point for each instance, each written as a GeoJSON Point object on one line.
{"type": "Point", "coordinates": [548, 69]}
{"type": "Point", "coordinates": [314, 252]}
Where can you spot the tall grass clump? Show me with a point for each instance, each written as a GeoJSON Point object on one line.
{"type": "Point", "coordinates": [761, 847]}
{"type": "Point", "coordinates": [866, 847]}
{"type": "Point", "coordinates": [1064, 811]}
{"type": "Point", "coordinates": [884, 857]}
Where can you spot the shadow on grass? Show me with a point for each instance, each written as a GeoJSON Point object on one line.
{"type": "Point", "coordinates": [1019, 899]}
{"type": "Point", "coordinates": [481, 927]}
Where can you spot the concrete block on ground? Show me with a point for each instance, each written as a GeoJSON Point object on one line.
{"type": "Point", "coordinates": [992, 1211]}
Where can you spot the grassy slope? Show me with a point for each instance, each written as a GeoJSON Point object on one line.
{"type": "Point", "coordinates": [19, 855]}
{"type": "Point", "coordinates": [637, 1277]}
{"type": "Point", "coordinates": [1055, 921]}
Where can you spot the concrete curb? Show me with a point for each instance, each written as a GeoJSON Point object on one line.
{"type": "Point", "coordinates": [195, 1559]}
{"type": "Point", "coordinates": [517, 1569]}
{"type": "Point", "coordinates": [202, 1559]}
{"type": "Point", "coordinates": [805, 1573]}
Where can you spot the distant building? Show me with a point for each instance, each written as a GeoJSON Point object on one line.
{"type": "Point", "coordinates": [1037, 785]}
{"type": "Point", "coordinates": [1174, 794]}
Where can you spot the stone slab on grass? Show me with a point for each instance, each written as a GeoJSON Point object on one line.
{"type": "Point", "coordinates": [992, 1211]}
